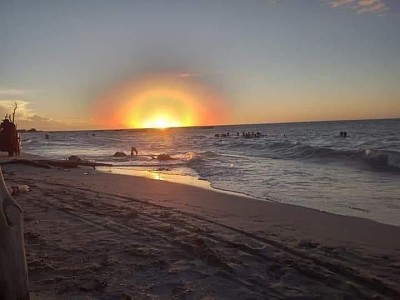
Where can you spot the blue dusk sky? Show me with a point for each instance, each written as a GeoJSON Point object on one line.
{"type": "Point", "coordinates": [86, 64]}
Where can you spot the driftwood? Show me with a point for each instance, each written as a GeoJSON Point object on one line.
{"type": "Point", "coordinates": [47, 164]}
{"type": "Point", "coordinates": [26, 162]}
{"type": "Point", "coordinates": [13, 268]}
{"type": "Point", "coordinates": [68, 164]}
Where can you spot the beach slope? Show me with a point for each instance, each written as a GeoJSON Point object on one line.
{"type": "Point", "coordinates": [95, 235]}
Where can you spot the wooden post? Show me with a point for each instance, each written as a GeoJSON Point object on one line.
{"type": "Point", "coordinates": [13, 268]}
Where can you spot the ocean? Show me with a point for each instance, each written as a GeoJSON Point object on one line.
{"type": "Point", "coordinates": [306, 164]}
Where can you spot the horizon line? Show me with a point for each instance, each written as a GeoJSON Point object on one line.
{"type": "Point", "coordinates": [215, 125]}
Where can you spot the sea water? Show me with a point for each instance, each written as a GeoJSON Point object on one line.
{"type": "Point", "coordinates": [305, 164]}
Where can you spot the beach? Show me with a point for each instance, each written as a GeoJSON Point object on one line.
{"type": "Point", "coordinates": [93, 235]}
{"type": "Point", "coordinates": [200, 149]}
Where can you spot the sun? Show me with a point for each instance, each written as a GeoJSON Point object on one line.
{"type": "Point", "coordinates": [161, 108]}
{"type": "Point", "coordinates": [160, 101]}
{"type": "Point", "coordinates": [161, 122]}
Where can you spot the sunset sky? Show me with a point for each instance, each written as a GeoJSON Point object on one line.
{"type": "Point", "coordinates": [123, 64]}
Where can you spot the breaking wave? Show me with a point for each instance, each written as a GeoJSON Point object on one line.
{"type": "Point", "coordinates": [388, 160]}
{"type": "Point", "coordinates": [383, 158]}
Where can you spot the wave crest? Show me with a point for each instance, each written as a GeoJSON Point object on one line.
{"type": "Point", "coordinates": [192, 157]}
{"type": "Point", "coordinates": [383, 158]}
{"type": "Point", "coordinates": [379, 159]}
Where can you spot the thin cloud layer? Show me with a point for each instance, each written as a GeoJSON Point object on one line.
{"type": "Point", "coordinates": [22, 112]}
{"type": "Point", "coordinates": [378, 7]}
{"type": "Point", "coordinates": [26, 118]}
{"type": "Point", "coordinates": [338, 3]}
{"type": "Point", "coordinates": [11, 92]}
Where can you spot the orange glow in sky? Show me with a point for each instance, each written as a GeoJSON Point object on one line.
{"type": "Point", "coordinates": [160, 108]}
{"type": "Point", "coordinates": [161, 101]}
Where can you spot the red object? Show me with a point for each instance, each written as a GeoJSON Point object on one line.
{"type": "Point", "coordinates": [9, 140]}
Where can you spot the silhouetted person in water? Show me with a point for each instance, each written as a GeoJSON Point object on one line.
{"type": "Point", "coordinates": [122, 154]}
{"type": "Point", "coordinates": [134, 150]}
{"type": "Point", "coordinates": [75, 158]}
{"type": "Point", "coordinates": [162, 157]}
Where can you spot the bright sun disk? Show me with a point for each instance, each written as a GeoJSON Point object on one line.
{"type": "Point", "coordinates": [160, 102]}
{"type": "Point", "coordinates": [161, 122]}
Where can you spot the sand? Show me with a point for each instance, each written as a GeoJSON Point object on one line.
{"type": "Point", "coordinates": [93, 235]}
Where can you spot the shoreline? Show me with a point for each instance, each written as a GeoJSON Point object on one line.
{"type": "Point", "coordinates": [204, 184]}
{"type": "Point", "coordinates": [90, 234]}
{"type": "Point", "coordinates": [185, 180]}
{"type": "Point", "coordinates": [179, 179]}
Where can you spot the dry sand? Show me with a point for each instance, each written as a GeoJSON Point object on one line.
{"type": "Point", "coordinates": [91, 235]}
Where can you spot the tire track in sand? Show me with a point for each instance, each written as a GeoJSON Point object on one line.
{"type": "Point", "coordinates": [184, 220]}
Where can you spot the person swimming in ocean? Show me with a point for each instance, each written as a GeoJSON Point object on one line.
{"type": "Point", "coordinates": [134, 150]}
{"type": "Point", "coordinates": [122, 154]}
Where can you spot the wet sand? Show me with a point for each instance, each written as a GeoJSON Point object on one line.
{"type": "Point", "coordinates": [92, 235]}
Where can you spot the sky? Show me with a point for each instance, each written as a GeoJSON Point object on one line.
{"type": "Point", "coordinates": [153, 63]}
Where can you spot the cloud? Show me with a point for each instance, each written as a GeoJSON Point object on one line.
{"type": "Point", "coordinates": [23, 111]}
{"type": "Point", "coordinates": [338, 3]}
{"type": "Point", "coordinates": [26, 118]}
{"type": "Point", "coordinates": [378, 7]}
{"type": "Point", "coordinates": [11, 92]}
{"type": "Point", "coordinates": [38, 118]}
{"type": "Point", "coordinates": [193, 74]}
{"type": "Point", "coordinates": [188, 75]}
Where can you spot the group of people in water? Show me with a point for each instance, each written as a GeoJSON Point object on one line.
{"type": "Point", "coordinates": [248, 134]}
{"type": "Point", "coordinates": [251, 134]}
{"type": "Point", "coordinates": [164, 156]}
